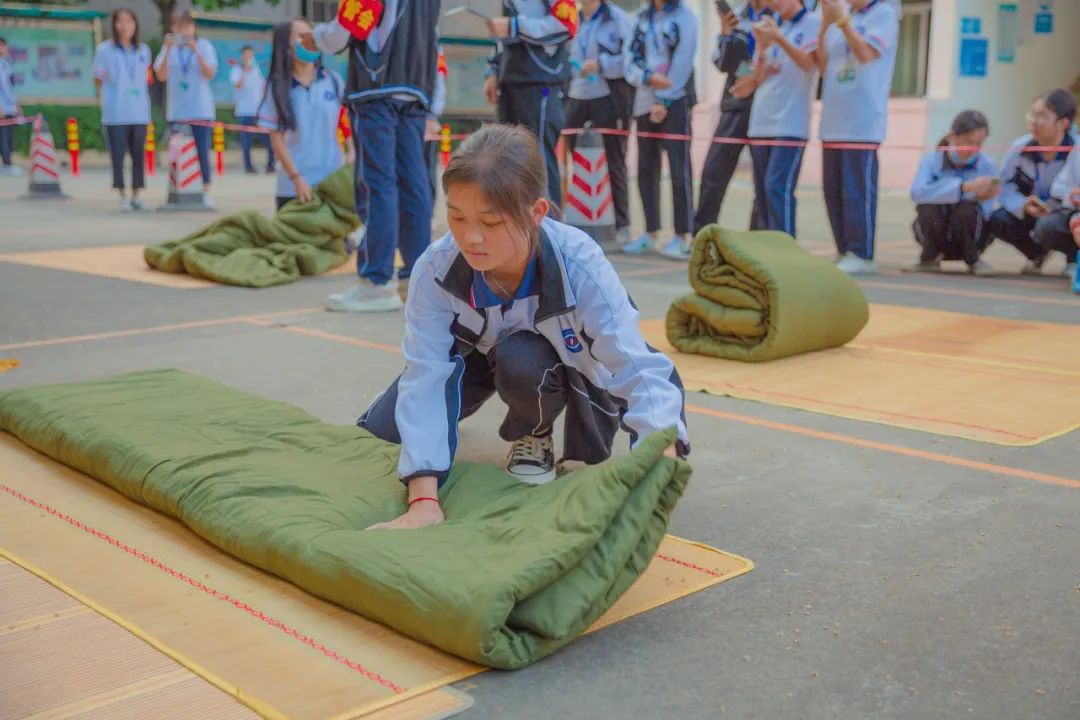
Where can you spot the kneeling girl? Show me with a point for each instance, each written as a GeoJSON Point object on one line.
{"type": "Point", "coordinates": [515, 303]}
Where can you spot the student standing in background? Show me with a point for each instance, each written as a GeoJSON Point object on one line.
{"type": "Point", "coordinates": [529, 70]}
{"type": "Point", "coordinates": [186, 64]}
{"type": "Point", "coordinates": [785, 76]}
{"type": "Point", "coordinates": [1027, 176]}
{"type": "Point", "coordinates": [120, 65]}
{"type": "Point", "coordinates": [733, 56]}
{"type": "Point", "coordinates": [597, 62]}
{"type": "Point", "coordinates": [389, 90]}
{"type": "Point", "coordinates": [856, 55]}
{"type": "Point", "coordinates": [954, 191]}
{"type": "Point", "coordinates": [249, 84]}
{"type": "Point", "coordinates": [8, 109]}
{"type": "Point", "coordinates": [660, 64]}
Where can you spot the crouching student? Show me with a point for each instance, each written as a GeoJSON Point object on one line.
{"type": "Point", "coordinates": [954, 191]}
{"type": "Point", "coordinates": [301, 108]}
{"type": "Point", "coordinates": [1060, 230]}
{"type": "Point", "coordinates": [1027, 175]}
{"type": "Point", "coordinates": [515, 303]}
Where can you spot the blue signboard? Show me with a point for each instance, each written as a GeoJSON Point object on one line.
{"type": "Point", "coordinates": [973, 56]}
{"type": "Point", "coordinates": [970, 26]}
{"type": "Point", "coordinates": [1044, 23]}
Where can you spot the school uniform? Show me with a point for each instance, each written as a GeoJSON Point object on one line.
{"type": "Point", "coordinates": [391, 79]}
{"type": "Point", "coordinates": [855, 110]}
{"type": "Point", "coordinates": [8, 110]}
{"type": "Point", "coordinates": [569, 339]}
{"type": "Point", "coordinates": [532, 67]}
{"type": "Point", "coordinates": [1052, 232]}
{"type": "Point", "coordinates": [313, 145]}
{"type": "Point", "coordinates": [248, 97]}
{"type": "Point", "coordinates": [125, 106]}
{"type": "Point", "coordinates": [593, 99]}
{"type": "Point", "coordinates": [733, 56]}
{"type": "Point", "coordinates": [950, 224]}
{"type": "Point", "coordinates": [188, 94]}
{"type": "Point", "coordinates": [781, 111]}
{"type": "Point", "coordinates": [1024, 174]}
{"type": "Point", "coordinates": [664, 42]}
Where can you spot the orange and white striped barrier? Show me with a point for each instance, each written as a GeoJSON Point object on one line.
{"type": "Point", "coordinates": [44, 170]}
{"type": "Point", "coordinates": [185, 175]}
{"type": "Point", "coordinates": [73, 145]}
{"type": "Point", "coordinates": [150, 150]}
{"type": "Point", "coordinates": [588, 203]}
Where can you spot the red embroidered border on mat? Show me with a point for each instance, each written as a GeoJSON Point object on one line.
{"type": "Point", "coordinates": [692, 566]}
{"type": "Point", "coordinates": [217, 594]}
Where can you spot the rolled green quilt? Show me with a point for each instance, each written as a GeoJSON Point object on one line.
{"type": "Point", "coordinates": [252, 250]}
{"type": "Point", "coordinates": [759, 296]}
{"type": "Point", "coordinates": [515, 573]}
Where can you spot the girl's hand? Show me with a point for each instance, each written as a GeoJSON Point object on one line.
{"type": "Point", "coordinates": [499, 27]}
{"type": "Point", "coordinates": [671, 452]}
{"type": "Point", "coordinates": [728, 23]}
{"type": "Point", "coordinates": [743, 88]}
{"type": "Point", "coordinates": [766, 31]}
{"type": "Point", "coordinates": [657, 114]}
{"type": "Point", "coordinates": [590, 67]}
{"type": "Point", "coordinates": [659, 81]}
{"type": "Point", "coordinates": [422, 514]}
{"type": "Point", "coordinates": [303, 190]}
{"type": "Point", "coordinates": [491, 90]}
{"type": "Point", "coordinates": [1035, 208]}
{"type": "Point", "coordinates": [193, 44]}
{"type": "Point", "coordinates": [831, 12]}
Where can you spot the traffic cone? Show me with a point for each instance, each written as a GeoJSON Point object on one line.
{"type": "Point", "coordinates": [185, 175]}
{"type": "Point", "coordinates": [150, 149]}
{"type": "Point", "coordinates": [73, 145]}
{"type": "Point", "coordinates": [588, 203]}
{"type": "Point", "coordinates": [44, 173]}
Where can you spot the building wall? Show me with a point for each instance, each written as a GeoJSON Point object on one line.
{"type": "Point", "coordinates": [150, 19]}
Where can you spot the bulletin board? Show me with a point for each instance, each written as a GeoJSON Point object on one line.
{"type": "Point", "coordinates": [51, 60]}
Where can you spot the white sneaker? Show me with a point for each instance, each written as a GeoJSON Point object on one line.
{"type": "Point", "coordinates": [854, 265]}
{"type": "Point", "coordinates": [532, 460]}
{"type": "Point", "coordinates": [365, 296]}
{"type": "Point", "coordinates": [639, 246]}
{"type": "Point", "coordinates": [137, 204]}
{"type": "Point", "coordinates": [125, 205]}
{"type": "Point", "coordinates": [1070, 270]}
{"type": "Point", "coordinates": [11, 170]}
{"type": "Point", "coordinates": [208, 202]}
{"type": "Point", "coordinates": [622, 235]}
{"type": "Point", "coordinates": [677, 248]}
{"type": "Point", "coordinates": [981, 268]}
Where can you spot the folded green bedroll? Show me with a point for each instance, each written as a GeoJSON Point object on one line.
{"type": "Point", "coordinates": [253, 250]}
{"type": "Point", "coordinates": [759, 296]}
{"type": "Point", "coordinates": [515, 573]}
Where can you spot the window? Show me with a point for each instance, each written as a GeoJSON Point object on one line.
{"type": "Point", "coordinates": [319, 11]}
{"type": "Point", "coordinates": [912, 51]}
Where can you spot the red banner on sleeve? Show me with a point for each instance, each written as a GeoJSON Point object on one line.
{"type": "Point", "coordinates": [566, 12]}
{"type": "Point", "coordinates": [359, 17]}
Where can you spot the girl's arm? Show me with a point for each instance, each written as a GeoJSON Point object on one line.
{"type": "Point", "coordinates": [641, 377]}
{"type": "Point", "coordinates": [860, 48]}
{"type": "Point", "coordinates": [161, 64]}
{"type": "Point", "coordinates": [285, 159]}
{"type": "Point", "coordinates": [207, 63]}
{"type": "Point", "coordinates": [806, 59]}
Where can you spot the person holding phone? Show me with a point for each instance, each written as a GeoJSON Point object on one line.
{"type": "Point", "coordinates": [733, 55]}
{"type": "Point", "coordinates": [785, 78]}
{"type": "Point", "coordinates": [186, 64]}
{"type": "Point", "coordinates": [856, 55]}
{"type": "Point", "coordinates": [250, 85]}
{"type": "Point", "coordinates": [1027, 176]}
{"type": "Point", "coordinates": [660, 64]}
{"type": "Point", "coordinates": [953, 192]}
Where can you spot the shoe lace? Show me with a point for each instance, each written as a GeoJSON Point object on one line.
{"type": "Point", "coordinates": [529, 449]}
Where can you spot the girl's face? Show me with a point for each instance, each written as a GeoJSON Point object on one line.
{"type": "Point", "coordinates": [125, 26]}
{"type": "Point", "coordinates": [184, 28]}
{"type": "Point", "coordinates": [489, 240]}
{"type": "Point", "coordinates": [969, 142]}
{"type": "Point", "coordinates": [301, 35]}
{"type": "Point", "coordinates": [1043, 124]}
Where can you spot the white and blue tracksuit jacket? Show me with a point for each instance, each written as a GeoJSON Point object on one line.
{"type": "Point", "coordinates": [580, 307]}
{"type": "Point", "coordinates": [1024, 174]}
{"type": "Point", "coordinates": [938, 181]}
{"type": "Point", "coordinates": [663, 42]}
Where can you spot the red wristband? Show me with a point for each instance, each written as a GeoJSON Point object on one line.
{"type": "Point", "coordinates": [422, 499]}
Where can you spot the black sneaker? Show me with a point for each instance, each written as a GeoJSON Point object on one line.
{"type": "Point", "coordinates": [532, 460]}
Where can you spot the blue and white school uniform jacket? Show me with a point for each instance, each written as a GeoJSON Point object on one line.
{"type": "Point", "coordinates": [580, 306]}
{"type": "Point", "coordinates": [663, 42]}
{"type": "Point", "coordinates": [938, 181]}
{"type": "Point", "coordinates": [1066, 181]}
{"type": "Point", "coordinates": [1024, 174]}
{"type": "Point", "coordinates": [602, 38]}
{"type": "Point", "coordinates": [538, 49]}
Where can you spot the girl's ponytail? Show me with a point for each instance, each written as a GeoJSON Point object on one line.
{"type": "Point", "coordinates": [279, 81]}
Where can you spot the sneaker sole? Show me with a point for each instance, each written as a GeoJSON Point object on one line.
{"type": "Point", "coordinates": [381, 305]}
{"type": "Point", "coordinates": [543, 479]}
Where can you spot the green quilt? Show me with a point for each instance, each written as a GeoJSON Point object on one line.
{"type": "Point", "coordinates": [516, 572]}
{"type": "Point", "coordinates": [252, 250]}
{"type": "Point", "coordinates": [759, 296]}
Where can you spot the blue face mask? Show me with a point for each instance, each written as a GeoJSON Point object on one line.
{"type": "Point", "coordinates": [955, 159]}
{"type": "Point", "coordinates": [306, 56]}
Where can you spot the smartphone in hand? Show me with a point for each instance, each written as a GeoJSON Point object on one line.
{"type": "Point", "coordinates": [723, 7]}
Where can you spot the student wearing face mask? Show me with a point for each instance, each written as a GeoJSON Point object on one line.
{"type": "Point", "coordinates": [1027, 177]}
{"type": "Point", "coordinates": [954, 191]}
{"type": "Point", "coordinates": [1060, 230]}
{"type": "Point", "coordinates": [856, 54]}
{"type": "Point", "coordinates": [785, 77]}
{"type": "Point", "coordinates": [187, 64]}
